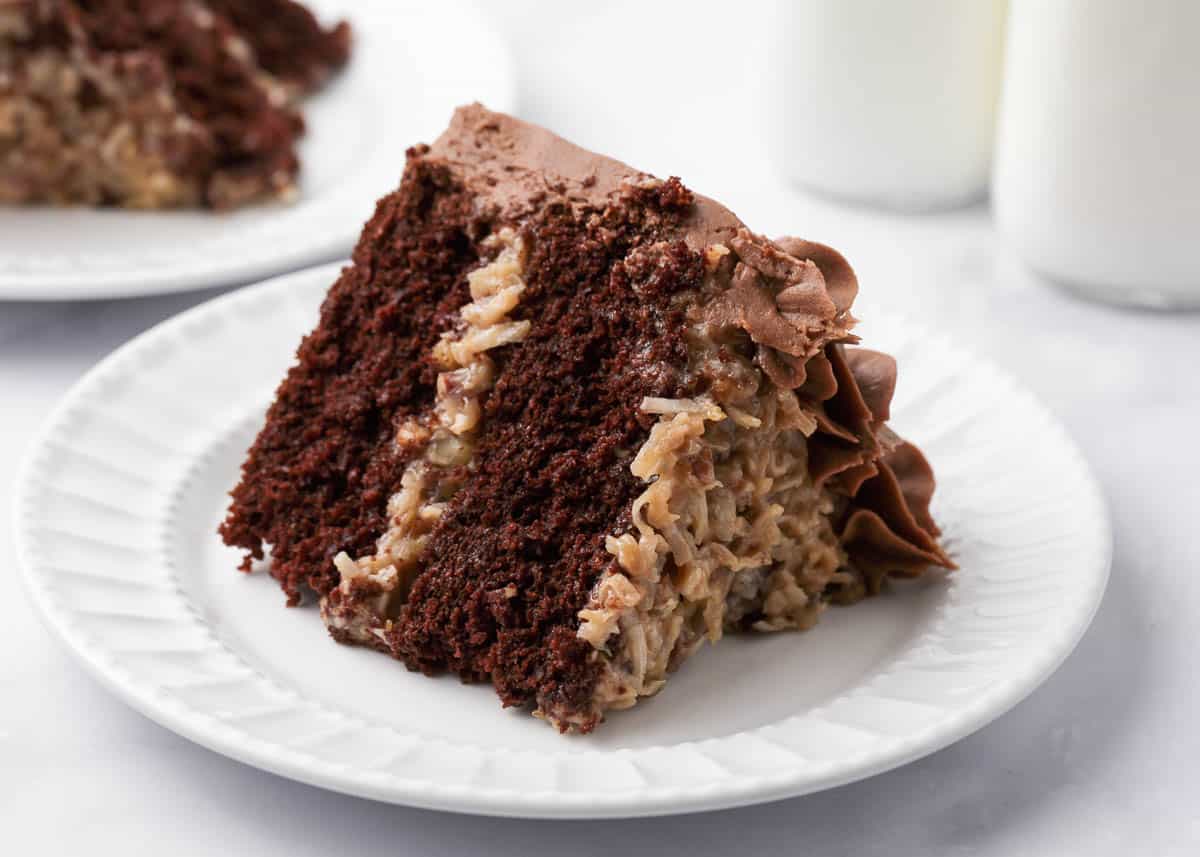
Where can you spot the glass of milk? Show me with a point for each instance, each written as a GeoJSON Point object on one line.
{"type": "Point", "coordinates": [888, 102]}
{"type": "Point", "coordinates": [1097, 177]}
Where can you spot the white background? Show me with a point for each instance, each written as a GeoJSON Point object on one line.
{"type": "Point", "coordinates": [1102, 760]}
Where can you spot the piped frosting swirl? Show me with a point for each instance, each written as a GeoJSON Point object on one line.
{"type": "Point", "coordinates": [793, 298]}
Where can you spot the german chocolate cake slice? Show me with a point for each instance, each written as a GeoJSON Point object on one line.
{"type": "Point", "coordinates": [156, 103]}
{"type": "Point", "coordinates": [562, 422]}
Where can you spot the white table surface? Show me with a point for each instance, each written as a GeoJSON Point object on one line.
{"type": "Point", "coordinates": [1102, 760]}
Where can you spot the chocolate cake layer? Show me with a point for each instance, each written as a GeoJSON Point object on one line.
{"type": "Point", "coordinates": [498, 453]}
{"type": "Point", "coordinates": [287, 39]}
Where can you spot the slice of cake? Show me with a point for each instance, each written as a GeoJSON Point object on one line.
{"type": "Point", "coordinates": [561, 422]}
{"type": "Point", "coordinates": [156, 103]}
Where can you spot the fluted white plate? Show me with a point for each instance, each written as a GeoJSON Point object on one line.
{"type": "Point", "coordinates": [413, 63]}
{"type": "Point", "coordinates": [116, 532]}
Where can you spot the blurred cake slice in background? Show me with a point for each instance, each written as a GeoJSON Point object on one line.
{"type": "Point", "coordinates": [562, 422]}
{"type": "Point", "coordinates": [156, 103]}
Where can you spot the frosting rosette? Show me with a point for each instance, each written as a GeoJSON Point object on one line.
{"type": "Point", "coordinates": [793, 297]}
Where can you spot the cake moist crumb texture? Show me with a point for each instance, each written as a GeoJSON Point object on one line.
{"type": "Point", "coordinates": [562, 422]}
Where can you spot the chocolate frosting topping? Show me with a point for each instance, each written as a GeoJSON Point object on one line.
{"type": "Point", "coordinates": [792, 296]}
{"type": "Point", "coordinates": [518, 183]}
{"type": "Point", "coordinates": [883, 483]}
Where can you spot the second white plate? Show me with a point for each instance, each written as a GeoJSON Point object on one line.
{"type": "Point", "coordinates": [412, 65]}
{"type": "Point", "coordinates": [116, 532]}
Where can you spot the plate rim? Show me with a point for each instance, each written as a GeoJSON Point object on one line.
{"type": "Point", "coordinates": [187, 274]}
{"type": "Point", "coordinates": [738, 790]}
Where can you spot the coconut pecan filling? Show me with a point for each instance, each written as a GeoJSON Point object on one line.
{"type": "Point", "coordinates": [730, 533]}
{"type": "Point", "coordinates": [373, 588]}
{"type": "Point", "coordinates": [56, 147]}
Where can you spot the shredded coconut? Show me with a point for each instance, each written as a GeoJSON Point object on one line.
{"type": "Point", "coordinates": [730, 532]}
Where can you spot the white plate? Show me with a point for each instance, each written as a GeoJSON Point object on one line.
{"type": "Point", "coordinates": [116, 517]}
{"type": "Point", "coordinates": [413, 63]}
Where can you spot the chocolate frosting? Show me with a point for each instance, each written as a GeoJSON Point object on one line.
{"type": "Point", "coordinates": [884, 484]}
{"type": "Point", "coordinates": [793, 297]}
{"type": "Point", "coordinates": [537, 163]}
